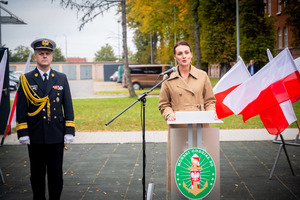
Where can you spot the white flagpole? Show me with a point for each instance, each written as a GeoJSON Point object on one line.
{"type": "Point", "coordinates": [2, 72]}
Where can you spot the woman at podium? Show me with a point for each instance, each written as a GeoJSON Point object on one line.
{"type": "Point", "coordinates": [187, 89]}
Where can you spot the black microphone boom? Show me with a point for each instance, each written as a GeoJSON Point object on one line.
{"type": "Point", "coordinates": [173, 69]}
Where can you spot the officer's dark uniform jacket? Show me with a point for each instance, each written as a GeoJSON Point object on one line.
{"type": "Point", "coordinates": [40, 128]}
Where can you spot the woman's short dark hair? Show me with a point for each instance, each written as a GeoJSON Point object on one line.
{"type": "Point", "coordinates": [182, 42]}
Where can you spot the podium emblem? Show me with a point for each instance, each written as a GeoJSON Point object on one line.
{"type": "Point", "coordinates": [195, 173]}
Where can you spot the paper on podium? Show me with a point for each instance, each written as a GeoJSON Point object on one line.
{"type": "Point", "coordinates": [195, 117]}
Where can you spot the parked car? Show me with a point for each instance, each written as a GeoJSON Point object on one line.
{"type": "Point", "coordinates": [17, 73]}
{"type": "Point", "coordinates": [143, 76]}
{"type": "Point", "coordinates": [114, 76]}
{"type": "Point", "coordinates": [13, 78]}
{"type": "Point", "coordinates": [13, 86]}
{"type": "Point", "coordinates": [120, 74]}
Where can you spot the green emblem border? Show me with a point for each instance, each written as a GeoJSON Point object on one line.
{"type": "Point", "coordinates": [207, 173]}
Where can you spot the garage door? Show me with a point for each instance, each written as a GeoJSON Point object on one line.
{"type": "Point", "coordinates": [55, 67]}
{"type": "Point", "coordinates": [70, 71]}
{"type": "Point", "coordinates": [12, 68]}
{"type": "Point", "coordinates": [31, 67]}
{"type": "Point", "coordinates": [85, 72]}
{"type": "Point", "coordinates": [108, 70]}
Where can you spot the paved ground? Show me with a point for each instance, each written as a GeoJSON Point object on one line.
{"type": "Point", "coordinates": [109, 166]}
{"type": "Point", "coordinates": [89, 89]}
{"type": "Point", "coordinates": [161, 136]}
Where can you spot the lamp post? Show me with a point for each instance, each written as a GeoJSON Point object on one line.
{"type": "Point", "coordinates": [119, 51]}
{"type": "Point", "coordinates": [151, 53]}
{"type": "Point", "coordinates": [66, 47]}
{"type": "Point", "coordinates": [237, 31]}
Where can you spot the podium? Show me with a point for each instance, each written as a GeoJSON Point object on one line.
{"type": "Point", "coordinates": [191, 129]}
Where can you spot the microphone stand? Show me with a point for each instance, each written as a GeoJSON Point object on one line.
{"type": "Point", "coordinates": [142, 98]}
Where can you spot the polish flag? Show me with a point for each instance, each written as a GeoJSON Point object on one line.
{"type": "Point", "coordinates": [275, 83]}
{"type": "Point", "coordinates": [12, 114]}
{"type": "Point", "coordinates": [12, 111]}
{"type": "Point", "coordinates": [232, 79]}
{"type": "Point", "coordinates": [297, 63]}
{"type": "Point", "coordinates": [279, 117]}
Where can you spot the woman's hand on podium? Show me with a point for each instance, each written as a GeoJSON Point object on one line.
{"type": "Point", "coordinates": [171, 117]}
{"type": "Point", "coordinates": [216, 117]}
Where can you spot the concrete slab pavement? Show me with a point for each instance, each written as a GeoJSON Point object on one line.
{"type": "Point", "coordinates": [161, 136]}
{"type": "Point", "coordinates": [114, 171]}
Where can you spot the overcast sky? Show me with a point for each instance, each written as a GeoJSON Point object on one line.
{"type": "Point", "coordinates": [50, 20]}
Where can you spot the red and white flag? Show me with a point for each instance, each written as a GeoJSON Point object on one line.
{"type": "Point", "coordinates": [275, 83]}
{"type": "Point", "coordinates": [232, 79]}
{"type": "Point", "coordinates": [12, 111]}
{"type": "Point", "coordinates": [297, 63]}
{"type": "Point", "coordinates": [12, 114]}
{"type": "Point", "coordinates": [279, 117]}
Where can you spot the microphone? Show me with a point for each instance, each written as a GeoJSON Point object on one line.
{"type": "Point", "coordinates": [173, 69]}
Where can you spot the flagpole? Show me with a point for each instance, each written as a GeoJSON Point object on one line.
{"type": "Point", "coordinates": [3, 137]}
{"type": "Point", "coordinates": [297, 137]}
{"type": "Point", "coordinates": [11, 116]}
{"type": "Point", "coordinates": [237, 31]}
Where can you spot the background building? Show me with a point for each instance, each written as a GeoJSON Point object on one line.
{"type": "Point", "coordinates": [99, 71]}
{"type": "Point", "coordinates": [284, 34]}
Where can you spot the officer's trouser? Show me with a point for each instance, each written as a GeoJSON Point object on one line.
{"type": "Point", "coordinates": [46, 158]}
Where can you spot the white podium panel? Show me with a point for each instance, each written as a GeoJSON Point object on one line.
{"type": "Point", "coordinates": [195, 117]}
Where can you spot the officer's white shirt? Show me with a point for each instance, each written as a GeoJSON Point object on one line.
{"type": "Point", "coordinates": [42, 73]}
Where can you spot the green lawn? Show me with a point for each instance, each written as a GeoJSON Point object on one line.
{"type": "Point", "coordinates": [92, 114]}
{"type": "Point", "coordinates": [154, 92]}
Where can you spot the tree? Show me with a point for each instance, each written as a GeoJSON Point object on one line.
{"type": "Point", "coordinates": [131, 56]}
{"type": "Point", "coordinates": [164, 21]}
{"type": "Point", "coordinates": [196, 5]}
{"type": "Point", "coordinates": [152, 19]}
{"type": "Point", "coordinates": [57, 55]}
{"type": "Point", "coordinates": [91, 9]}
{"type": "Point", "coordinates": [218, 27]}
{"type": "Point", "coordinates": [257, 32]}
{"type": "Point", "coordinates": [21, 54]}
{"type": "Point", "coordinates": [106, 53]}
{"type": "Point", "coordinates": [142, 45]}
{"type": "Point", "coordinates": [188, 18]}
{"type": "Point", "coordinates": [212, 20]}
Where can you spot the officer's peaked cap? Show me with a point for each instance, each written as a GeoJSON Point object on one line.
{"type": "Point", "coordinates": [43, 43]}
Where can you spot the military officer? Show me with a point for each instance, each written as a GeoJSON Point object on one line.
{"type": "Point", "coordinates": [45, 120]}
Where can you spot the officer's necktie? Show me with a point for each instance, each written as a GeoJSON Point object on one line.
{"type": "Point", "coordinates": [45, 79]}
